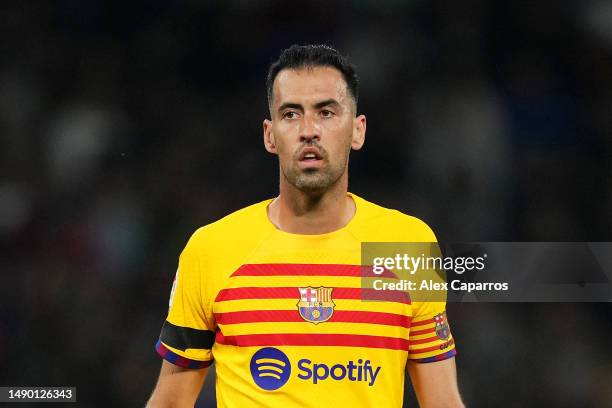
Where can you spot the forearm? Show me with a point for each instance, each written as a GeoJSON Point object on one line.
{"type": "Point", "coordinates": [164, 397]}
{"type": "Point", "coordinates": [177, 387]}
{"type": "Point", "coordinates": [449, 402]}
{"type": "Point", "coordinates": [435, 384]}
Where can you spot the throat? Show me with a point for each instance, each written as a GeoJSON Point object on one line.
{"type": "Point", "coordinates": [311, 215]}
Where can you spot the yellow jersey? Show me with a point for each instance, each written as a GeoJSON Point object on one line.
{"type": "Point", "coordinates": [284, 318]}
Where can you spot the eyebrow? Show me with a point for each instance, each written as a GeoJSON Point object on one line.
{"type": "Point", "coordinates": [318, 105]}
{"type": "Point", "coordinates": [326, 102]}
{"type": "Point", "coordinates": [290, 105]}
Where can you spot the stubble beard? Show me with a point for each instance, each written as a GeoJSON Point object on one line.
{"type": "Point", "coordinates": [315, 180]}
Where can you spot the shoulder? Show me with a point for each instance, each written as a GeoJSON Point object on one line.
{"type": "Point", "coordinates": [378, 223]}
{"type": "Point", "coordinates": [240, 227]}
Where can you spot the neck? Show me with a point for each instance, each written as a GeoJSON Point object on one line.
{"type": "Point", "coordinates": [300, 212]}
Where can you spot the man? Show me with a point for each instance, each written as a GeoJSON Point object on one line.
{"type": "Point", "coordinates": [271, 293]}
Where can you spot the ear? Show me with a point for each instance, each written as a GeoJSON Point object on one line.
{"type": "Point", "coordinates": [359, 130]}
{"type": "Point", "coordinates": [268, 136]}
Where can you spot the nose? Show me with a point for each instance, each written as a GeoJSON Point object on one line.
{"type": "Point", "coordinates": [310, 130]}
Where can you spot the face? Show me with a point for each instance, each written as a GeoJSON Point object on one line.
{"type": "Point", "coordinates": [313, 127]}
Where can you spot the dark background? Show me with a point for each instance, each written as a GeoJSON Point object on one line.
{"type": "Point", "coordinates": [126, 125]}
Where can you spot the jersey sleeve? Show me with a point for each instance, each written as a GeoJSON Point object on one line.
{"type": "Point", "coordinates": [188, 333]}
{"type": "Point", "coordinates": [430, 338]}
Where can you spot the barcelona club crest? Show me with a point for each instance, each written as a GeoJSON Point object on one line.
{"type": "Point", "coordinates": [316, 305]}
{"type": "Point", "coordinates": [441, 326]}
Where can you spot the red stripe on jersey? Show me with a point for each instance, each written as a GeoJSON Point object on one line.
{"type": "Point", "coordinates": [294, 293]}
{"type": "Point", "coordinates": [340, 316]}
{"type": "Point", "coordinates": [298, 339]}
{"type": "Point", "coordinates": [422, 341]}
{"type": "Point", "coordinates": [422, 322]}
{"type": "Point", "coordinates": [418, 332]}
{"type": "Point", "coordinates": [385, 295]}
{"type": "Point", "coordinates": [309, 270]}
{"type": "Point", "coordinates": [257, 293]}
{"type": "Point", "coordinates": [426, 349]}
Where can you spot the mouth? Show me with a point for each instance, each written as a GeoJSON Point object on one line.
{"type": "Point", "coordinates": [310, 159]}
{"type": "Point", "coordinates": [310, 154]}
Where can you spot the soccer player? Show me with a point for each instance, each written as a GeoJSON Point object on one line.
{"type": "Point", "coordinates": [272, 293]}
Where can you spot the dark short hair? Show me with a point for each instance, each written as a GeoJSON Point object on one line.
{"type": "Point", "coordinates": [310, 56]}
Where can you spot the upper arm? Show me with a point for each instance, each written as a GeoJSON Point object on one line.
{"type": "Point", "coordinates": [177, 386]}
{"type": "Point", "coordinates": [435, 383]}
{"type": "Point", "coordinates": [431, 361]}
{"type": "Point", "coordinates": [188, 334]}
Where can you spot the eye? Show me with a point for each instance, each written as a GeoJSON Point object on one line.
{"type": "Point", "coordinates": [290, 115]}
{"type": "Point", "coordinates": [326, 113]}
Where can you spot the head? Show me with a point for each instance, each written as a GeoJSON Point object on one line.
{"type": "Point", "coordinates": [313, 125]}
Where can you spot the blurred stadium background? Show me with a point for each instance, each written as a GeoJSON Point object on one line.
{"type": "Point", "coordinates": [125, 125]}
